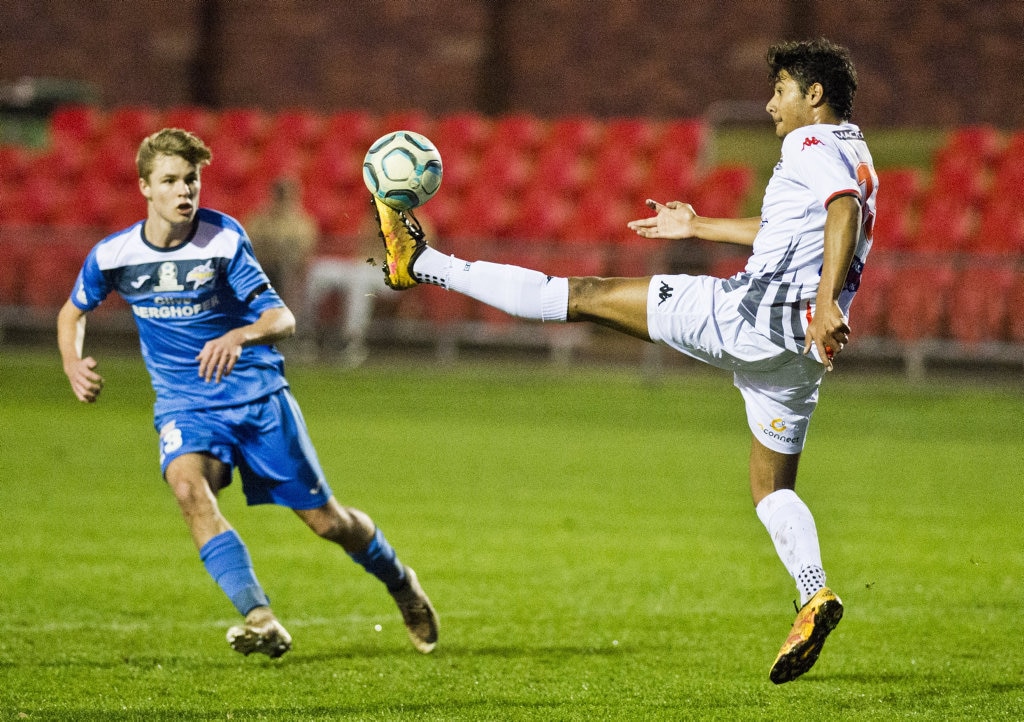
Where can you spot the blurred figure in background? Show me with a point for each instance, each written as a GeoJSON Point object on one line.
{"type": "Point", "coordinates": [358, 280]}
{"type": "Point", "coordinates": [284, 236]}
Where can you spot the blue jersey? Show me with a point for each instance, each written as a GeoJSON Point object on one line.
{"type": "Point", "coordinates": [183, 297]}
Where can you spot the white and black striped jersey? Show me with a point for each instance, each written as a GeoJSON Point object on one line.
{"type": "Point", "coordinates": [818, 163]}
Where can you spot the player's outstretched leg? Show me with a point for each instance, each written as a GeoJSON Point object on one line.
{"type": "Point", "coordinates": [262, 633]}
{"type": "Point", "coordinates": [417, 612]}
{"type": "Point", "coordinates": [403, 242]}
{"type": "Point", "coordinates": [814, 622]}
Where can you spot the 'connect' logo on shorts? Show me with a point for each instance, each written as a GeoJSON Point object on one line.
{"type": "Point", "coordinates": [776, 430]}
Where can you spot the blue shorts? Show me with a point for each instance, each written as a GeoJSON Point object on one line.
{"type": "Point", "coordinates": [266, 439]}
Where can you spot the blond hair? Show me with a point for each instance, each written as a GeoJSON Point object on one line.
{"type": "Point", "coordinates": [171, 141]}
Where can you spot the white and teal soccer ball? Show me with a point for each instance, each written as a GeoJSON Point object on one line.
{"type": "Point", "coordinates": [403, 169]}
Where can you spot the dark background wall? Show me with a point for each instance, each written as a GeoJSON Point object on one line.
{"type": "Point", "coordinates": [927, 63]}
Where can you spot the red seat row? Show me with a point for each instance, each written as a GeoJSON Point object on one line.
{"type": "Point", "coordinates": [937, 299]}
{"type": "Point", "coordinates": [972, 200]}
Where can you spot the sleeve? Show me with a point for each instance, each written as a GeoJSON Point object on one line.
{"type": "Point", "coordinates": [248, 280]}
{"type": "Point", "coordinates": [814, 155]}
{"type": "Point", "coordinates": [91, 286]}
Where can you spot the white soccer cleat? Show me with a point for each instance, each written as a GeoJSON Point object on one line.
{"type": "Point", "coordinates": [418, 613]}
{"type": "Point", "coordinates": [265, 636]}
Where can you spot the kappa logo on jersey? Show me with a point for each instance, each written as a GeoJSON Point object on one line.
{"type": "Point", "coordinates": [200, 274]}
{"type": "Point", "coordinates": [665, 292]}
{"type": "Point", "coordinates": [847, 134]}
{"type": "Point", "coordinates": [137, 283]}
{"type": "Point", "coordinates": [80, 294]}
{"type": "Point", "coordinates": [809, 142]}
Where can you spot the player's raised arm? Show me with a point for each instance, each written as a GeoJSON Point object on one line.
{"type": "Point", "coordinates": [85, 382]}
{"type": "Point", "coordinates": [675, 221]}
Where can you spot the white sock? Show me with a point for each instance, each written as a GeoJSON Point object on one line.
{"type": "Point", "coordinates": [517, 291]}
{"type": "Point", "coordinates": [791, 526]}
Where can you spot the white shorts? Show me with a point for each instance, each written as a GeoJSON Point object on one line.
{"type": "Point", "coordinates": [698, 316]}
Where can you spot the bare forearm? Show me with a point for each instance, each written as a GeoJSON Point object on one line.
{"type": "Point", "coordinates": [842, 226]}
{"type": "Point", "coordinates": [740, 231]}
{"type": "Point", "coordinates": [70, 333]}
{"type": "Point", "coordinates": [271, 326]}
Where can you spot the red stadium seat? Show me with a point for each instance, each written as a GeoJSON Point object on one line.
{"type": "Point", "coordinates": [918, 301]}
{"type": "Point", "coordinates": [600, 218]}
{"type": "Point", "coordinates": [485, 215]}
{"type": "Point", "coordinates": [133, 123]}
{"type": "Point", "coordinates": [410, 119]}
{"type": "Point", "coordinates": [978, 304]}
{"type": "Point", "coordinates": [640, 135]}
{"type": "Point", "coordinates": [559, 171]}
{"type": "Point", "coordinates": [1015, 308]}
{"type": "Point", "coordinates": [576, 134]}
{"type": "Point", "coordinates": [945, 224]}
{"type": "Point", "coordinates": [539, 216]}
{"type": "Point", "coordinates": [281, 160]}
{"type": "Point", "coordinates": [960, 176]}
{"type": "Point", "coordinates": [1000, 228]}
{"type": "Point", "coordinates": [298, 128]}
{"type": "Point", "coordinates": [722, 192]}
{"type": "Point", "coordinates": [899, 190]}
{"type": "Point", "coordinates": [72, 125]}
{"type": "Point", "coordinates": [465, 131]}
{"type": "Point", "coordinates": [14, 257]}
{"type": "Point", "coordinates": [981, 143]}
{"type": "Point", "coordinates": [194, 119]}
{"type": "Point", "coordinates": [244, 127]}
{"type": "Point", "coordinates": [871, 306]}
{"type": "Point", "coordinates": [621, 169]}
{"type": "Point", "coordinates": [16, 164]}
{"type": "Point", "coordinates": [350, 130]}
{"type": "Point", "coordinates": [50, 276]}
{"type": "Point", "coordinates": [505, 170]}
{"type": "Point", "coordinates": [41, 202]}
{"type": "Point", "coordinates": [688, 137]}
{"type": "Point", "coordinates": [518, 133]}
{"type": "Point", "coordinates": [671, 175]}
{"type": "Point", "coordinates": [336, 167]}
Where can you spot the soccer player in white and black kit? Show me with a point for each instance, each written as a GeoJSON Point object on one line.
{"type": "Point", "coordinates": [208, 318]}
{"type": "Point", "coordinates": [777, 325]}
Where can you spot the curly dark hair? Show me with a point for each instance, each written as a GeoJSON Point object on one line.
{"type": "Point", "coordinates": [817, 61]}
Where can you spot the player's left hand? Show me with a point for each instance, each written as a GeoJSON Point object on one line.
{"type": "Point", "coordinates": [827, 333]}
{"type": "Point", "coordinates": [218, 357]}
{"type": "Point", "coordinates": [673, 220]}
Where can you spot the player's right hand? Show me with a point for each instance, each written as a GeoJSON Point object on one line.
{"type": "Point", "coordinates": [673, 221]}
{"type": "Point", "coordinates": [85, 382]}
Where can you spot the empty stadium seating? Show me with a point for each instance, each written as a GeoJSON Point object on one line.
{"type": "Point", "coordinates": [554, 193]}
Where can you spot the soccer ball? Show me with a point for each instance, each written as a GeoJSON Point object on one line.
{"type": "Point", "coordinates": [403, 169]}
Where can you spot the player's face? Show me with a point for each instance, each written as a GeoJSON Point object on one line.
{"type": "Point", "coordinates": [172, 189]}
{"type": "Point", "coordinates": [789, 107]}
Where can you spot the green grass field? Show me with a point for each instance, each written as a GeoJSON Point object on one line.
{"type": "Point", "coordinates": [587, 539]}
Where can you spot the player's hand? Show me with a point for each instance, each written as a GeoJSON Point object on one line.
{"type": "Point", "coordinates": [827, 333]}
{"type": "Point", "coordinates": [218, 357]}
{"type": "Point", "coordinates": [673, 220]}
{"type": "Point", "coordinates": [85, 382]}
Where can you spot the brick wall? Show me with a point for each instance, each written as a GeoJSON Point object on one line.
{"type": "Point", "coordinates": [933, 62]}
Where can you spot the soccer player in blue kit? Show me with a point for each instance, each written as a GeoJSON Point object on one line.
{"type": "Point", "coordinates": [777, 325]}
{"type": "Point", "coordinates": [207, 319]}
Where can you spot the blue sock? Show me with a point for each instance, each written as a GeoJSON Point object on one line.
{"type": "Point", "coordinates": [380, 560]}
{"type": "Point", "coordinates": [227, 560]}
